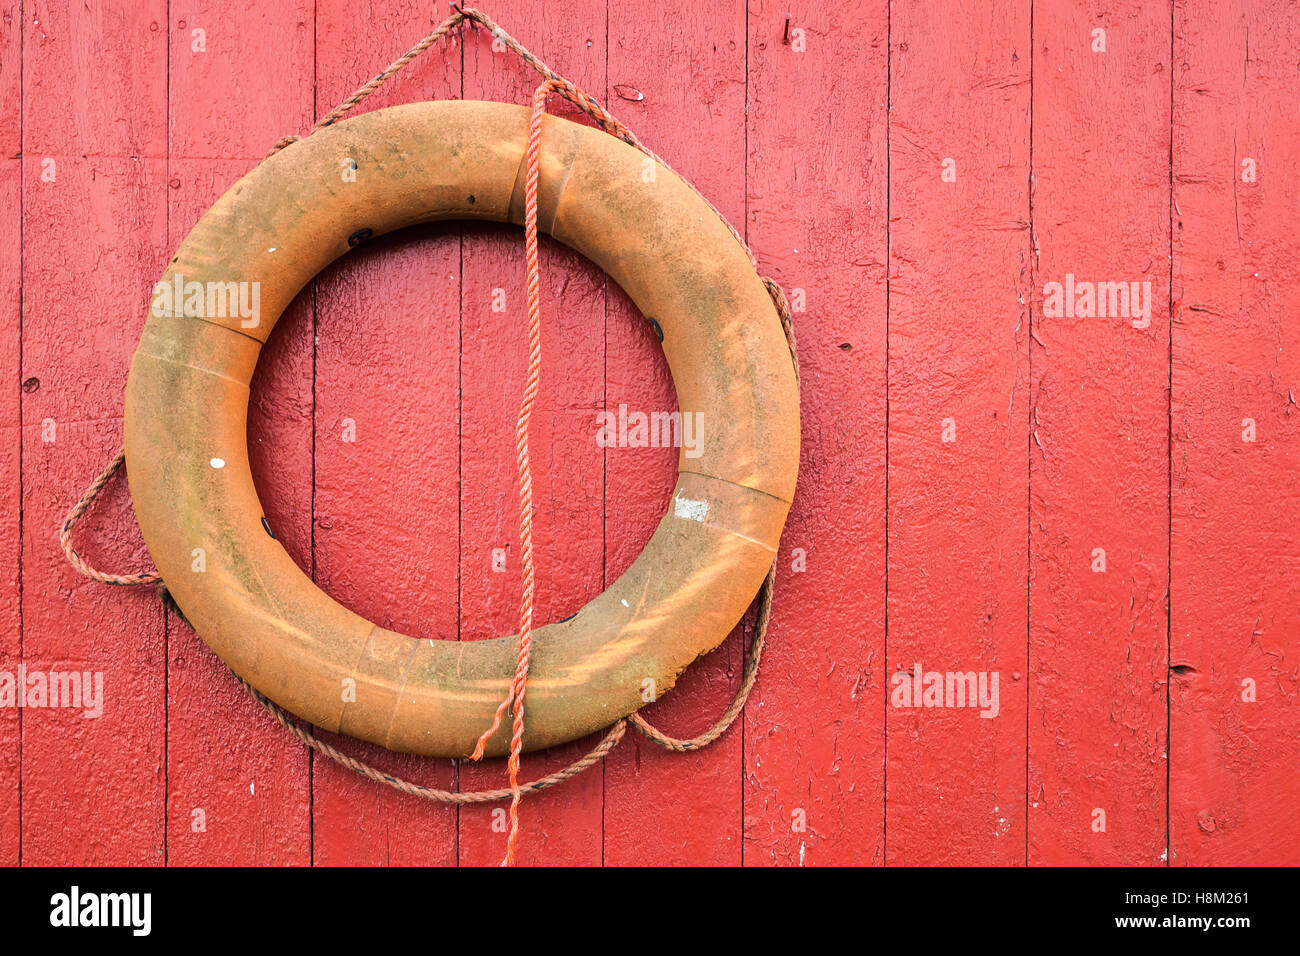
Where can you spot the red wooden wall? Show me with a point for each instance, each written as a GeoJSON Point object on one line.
{"type": "Point", "coordinates": [917, 174]}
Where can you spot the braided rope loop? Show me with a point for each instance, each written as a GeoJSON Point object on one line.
{"type": "Point", "coordinates": [74, 518]}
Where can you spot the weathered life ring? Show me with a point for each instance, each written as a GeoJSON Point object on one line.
{"type": "Point", "coordinates": [187, 403]}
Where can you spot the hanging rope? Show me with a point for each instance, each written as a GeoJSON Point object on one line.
{"type": "Point", "coordinates": [515, 696]}
{"type": "Point", "coordinates": [514, 699]}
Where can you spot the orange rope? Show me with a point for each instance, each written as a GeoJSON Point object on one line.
{"type": "Point", "coordinates": [519, 686]}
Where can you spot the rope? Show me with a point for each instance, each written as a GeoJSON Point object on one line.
{"type": "Point", "coordinates": [455, 797]}
{"type": "Point", "coordinates": [552, 83]}
{"type": "Point", "coordinates": [515, 696]}
{"type": "Point", "coordinates": [680, 745]}
{"type": "Point", "coordinates": [571, 92]}
{"type": "Point", "coordinates": [74, 516]}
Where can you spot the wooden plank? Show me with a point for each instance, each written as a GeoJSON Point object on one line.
{"type": "Point", "coordinates": [960, 283]}
{"type": "Point", "coordinates": [95, 79]}
{"type": "Point", "coordinates": [11, 507]}
{"type": "Point", "coordinates": [94, 240]}
{"type": "Point", "coordinates": [1099, 456]}
{"type": "Point", "coordinates": [238, 786]}
{"type": "Point", "coordinates": [1235, 625]}
{"type": "Point", "coordinates": [112, 210]}
{"type": "Point", "coordinates": [563, 825]}
{"type": "Point", "coordinates": [11, 78]}
{"type": "Point", "coordinates": [387, 433]}
{"type": "Point", "coordinates": [241, 77]}
{"type": "Point", "coordinates": [688, 64]}
{"type": "Point", "coordinates": [10, 418]}
{"type": "Point", "coordinates": [814, 775]}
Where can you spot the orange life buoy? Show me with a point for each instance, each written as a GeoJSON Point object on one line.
{"type": "Point", "coordinates": [260, 243]}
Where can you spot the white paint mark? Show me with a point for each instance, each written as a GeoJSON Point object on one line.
{"type": "Point", "coordinates": [690, 509]}
{"type": "Point", "coordinates": [218, 463]}
{"type": "Point", "coordinates": [251, 788]}
{"type": "Point", "coordinates": [625, 604]}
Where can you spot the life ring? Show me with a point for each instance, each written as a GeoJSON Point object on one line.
{"type": "Point", "coordinates": [187, 402]}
